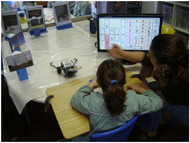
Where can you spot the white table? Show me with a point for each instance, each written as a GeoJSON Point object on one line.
{"type": "Point", "coordinates": [53, 46]}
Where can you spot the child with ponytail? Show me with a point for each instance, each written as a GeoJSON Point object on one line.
{"type": "Point", "coordinates": [114, 107]}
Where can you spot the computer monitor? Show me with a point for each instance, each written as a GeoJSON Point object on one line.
{"type": "Point", "coordinates": [35, 17]}
{"type": "Point", "coordinates": [10, 22]}
{"type": "Point", "coordinates": [130, 32]}
{"type": "Point", "coordinates": [61, 13]}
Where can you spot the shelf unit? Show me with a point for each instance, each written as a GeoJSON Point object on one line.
{"type": "Point", "coordinates": [175, 16]}
{"type": "Point", "coordinates": [177, 6]}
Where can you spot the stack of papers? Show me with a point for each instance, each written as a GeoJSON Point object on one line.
{"type": "Point", "coordinates": [11, 35]}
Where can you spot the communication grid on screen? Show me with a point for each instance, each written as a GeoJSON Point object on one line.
{"type": "Point", "coordinates": [130, 32]}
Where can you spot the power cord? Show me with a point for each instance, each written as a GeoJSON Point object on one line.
{"type": "Point", "coordinates": [96, 44]}
{"type": "Point", "coordinates": [75, 61]}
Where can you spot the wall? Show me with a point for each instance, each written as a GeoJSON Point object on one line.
{"type": "Point", "coordinates": [149, 6]}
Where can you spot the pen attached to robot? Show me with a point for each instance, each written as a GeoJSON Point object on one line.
{"type": "Point", "coordinates": [68, 68]}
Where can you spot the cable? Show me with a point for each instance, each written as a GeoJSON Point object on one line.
{"type": "Point", "coordinates": [75, 60]}
{"type": "Point", "coordinates": [53, 65]}
{"type": "Point", "coordinates": [58, 68]}
{"type": "Point", "coordinates": [96, 44]}
{"type": "Point", "coordinates": [74, 63]}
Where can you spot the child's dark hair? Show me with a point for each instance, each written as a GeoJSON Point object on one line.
{"type": "Point", "coordinates": [113, 94]}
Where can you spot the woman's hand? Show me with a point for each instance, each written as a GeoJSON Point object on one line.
{"type": "Point", "coordinates": [116, 52]}
{"type": "Point", "coordinates": [94, 84]}
{"type": "Point", "coordinates": [136, 88]}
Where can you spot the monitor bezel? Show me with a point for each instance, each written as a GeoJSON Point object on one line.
{"type": "Point", "coordinates": [126, 15]}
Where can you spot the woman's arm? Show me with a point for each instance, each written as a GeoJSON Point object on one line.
{"type": "Point", "coordinates": [135, 57]}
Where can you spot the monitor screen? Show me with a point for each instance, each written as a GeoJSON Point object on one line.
{"type": "Point", "coordinates": [130, 32]}
{"type": "Point", "coordinates": [10, 20]}
{"type": "Point", "coordinates": [62, 13]}
{"type": "Point", "coordinates": [36, 13]}
{"type": "Point", "coordinates": [10, 23]}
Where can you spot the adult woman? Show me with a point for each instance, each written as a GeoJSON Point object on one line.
{"type": "Point", "coordinates": [169, 56]}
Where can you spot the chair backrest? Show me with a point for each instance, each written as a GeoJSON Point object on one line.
{"type": "Point", "coordinates": [117, 134]}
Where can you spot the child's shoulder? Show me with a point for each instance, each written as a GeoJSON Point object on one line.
{"type": "Point", "coordinates": [132, 95]}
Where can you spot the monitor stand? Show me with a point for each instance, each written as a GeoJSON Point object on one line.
{"type": "Point", "coordinates": [125, 62]}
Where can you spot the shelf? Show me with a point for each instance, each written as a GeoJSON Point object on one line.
{"type": "Point", "coordinates": [176, 28]}
{"type": "Point", "coordinates": [180, 4]}
{"type": "Point", "coordinates": [181, 30]}
{"type": "Point", "coordinates": [175, 3]}
{"type": "Point", "coordinates": [134, 6]}
{"type": "Point", "coordinates": [163, 23]}
{"type": "Point", "coordinates": [168, 2]}
{"type": "Point", "coordinates": [176, 6]}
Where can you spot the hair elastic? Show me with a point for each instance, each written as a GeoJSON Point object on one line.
{"type": "Point", "coordinates": [113, 81]}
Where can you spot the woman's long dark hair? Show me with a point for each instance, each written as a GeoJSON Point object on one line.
{"type": "Point", "coordinates": [113, 94]}
{"type": "Point", "coordinates": [170, 49]}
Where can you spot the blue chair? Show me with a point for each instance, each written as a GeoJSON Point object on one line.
{"type": "Point", "coordinates": [117, 134]}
